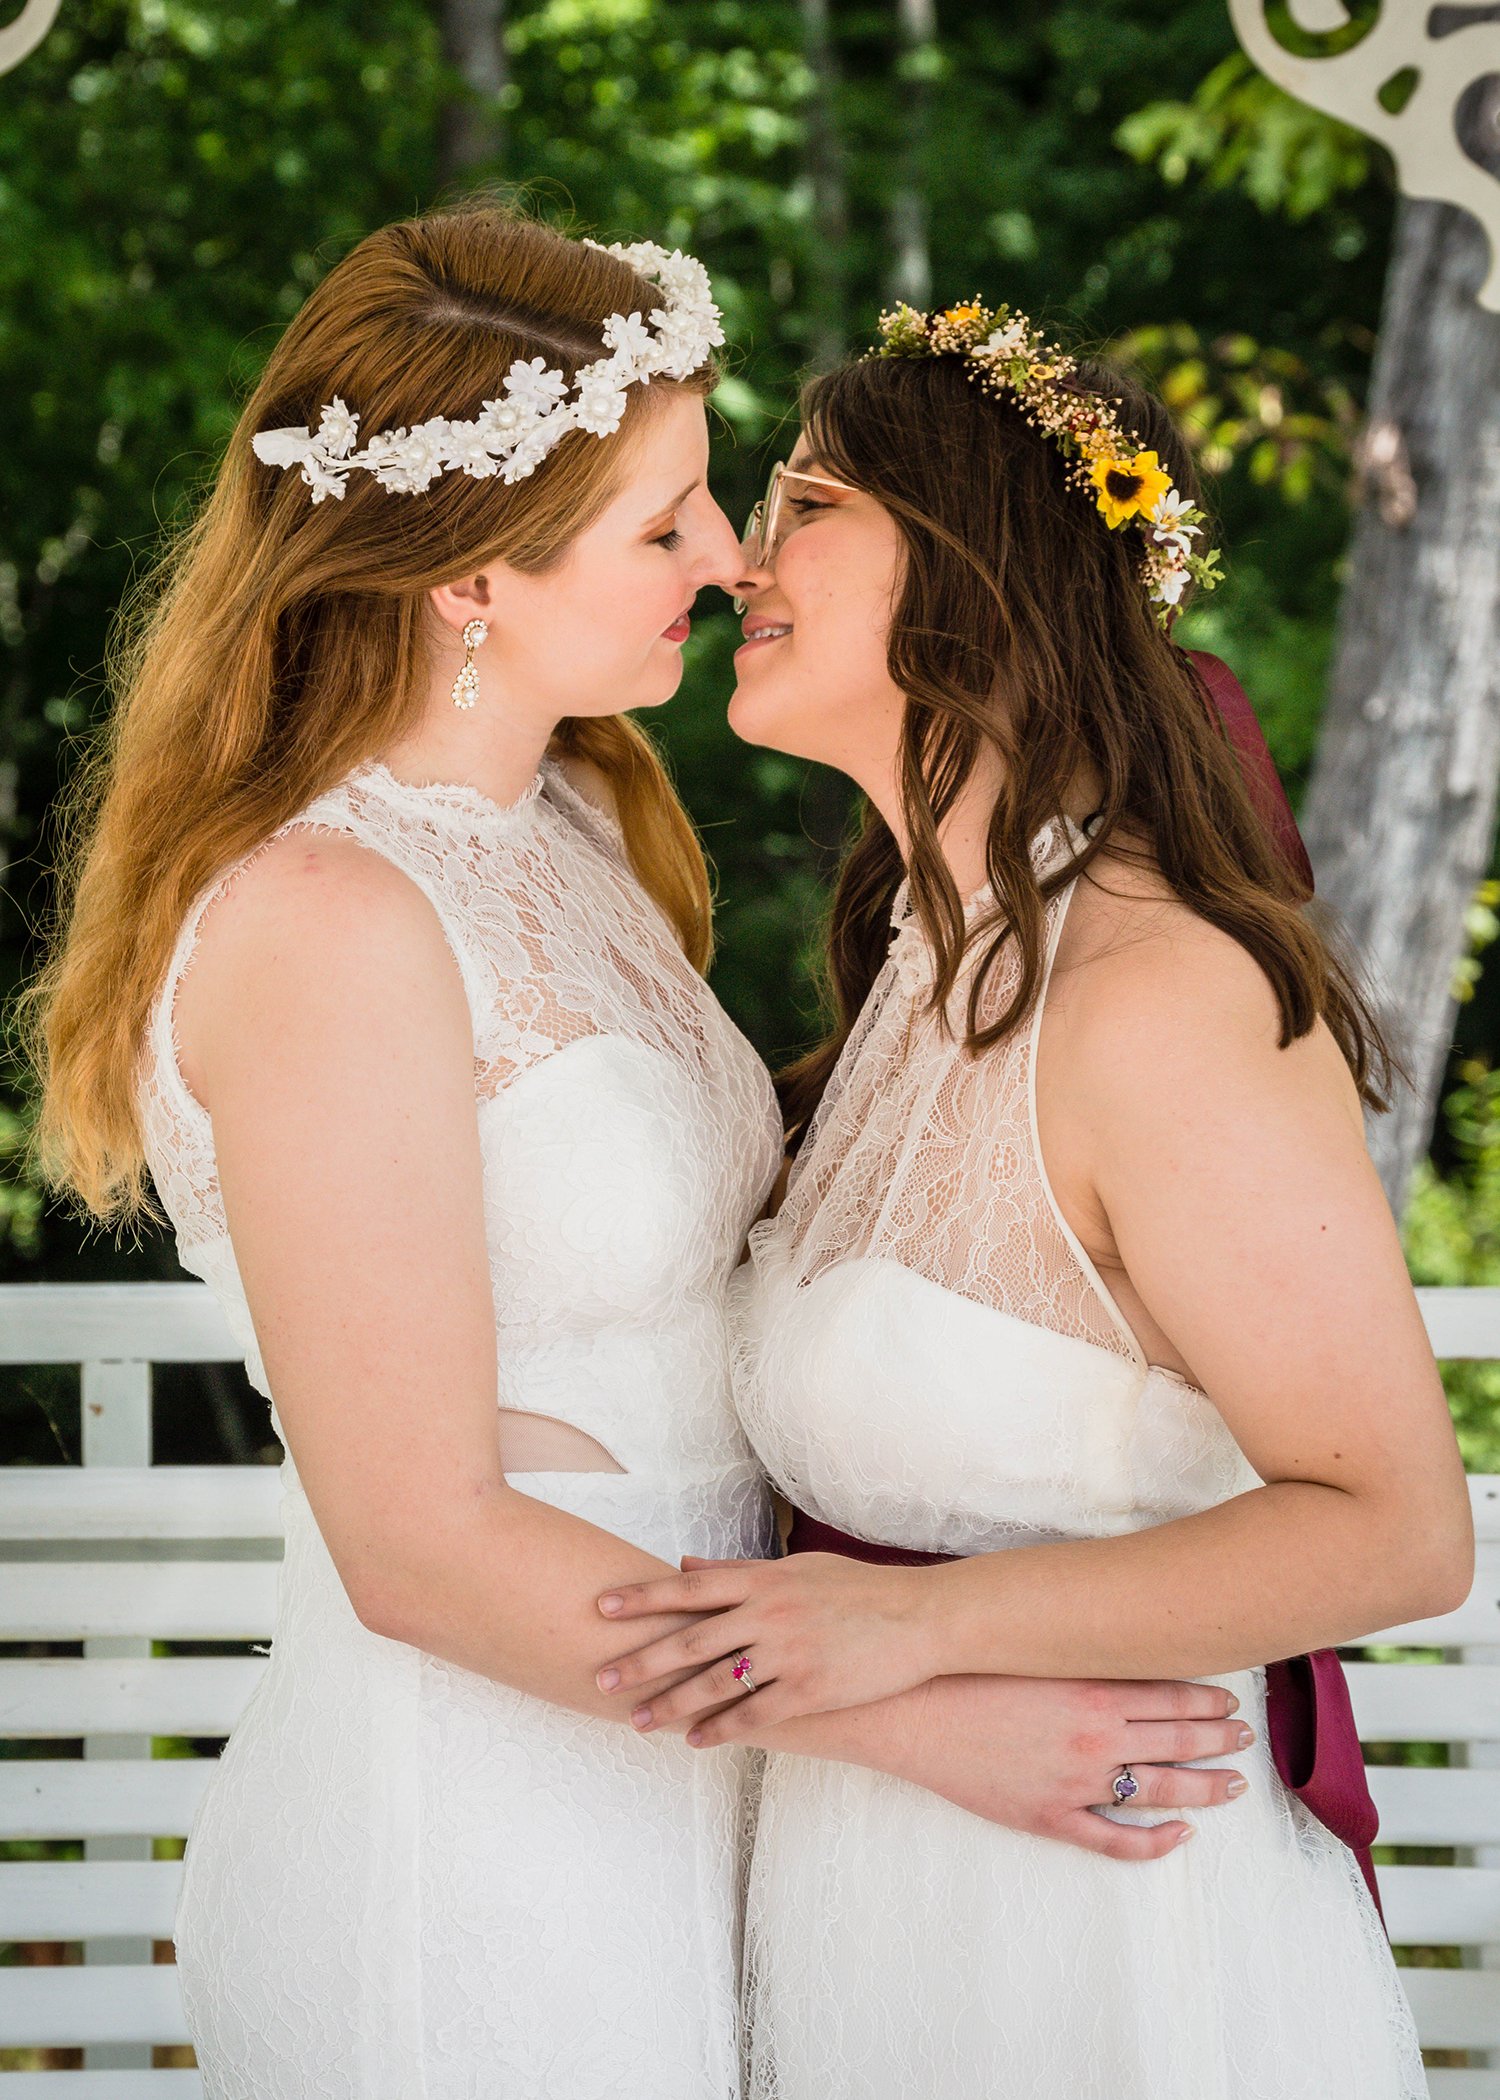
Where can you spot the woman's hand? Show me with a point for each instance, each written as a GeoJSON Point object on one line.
{"type": "Point", "coordinates": [820, 1632]}
{"type": "Point", "coordinates": [1041, 1754]}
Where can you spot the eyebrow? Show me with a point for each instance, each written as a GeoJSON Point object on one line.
{"type": "Point", "coordinates": [677, 501]}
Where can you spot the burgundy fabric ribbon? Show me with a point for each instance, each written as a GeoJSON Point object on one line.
{"type": "Point", "coordinates": [1256, 762]}
{"type": "Point", "coordinates": [1314, 1741]}
{"type": "Point", "coordinates": [1314, 1744]}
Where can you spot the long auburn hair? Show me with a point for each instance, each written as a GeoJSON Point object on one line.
{"type": "Point", "coordinates": [276, 643]}
{"type": "Point", "coordinates": [1022, 627]}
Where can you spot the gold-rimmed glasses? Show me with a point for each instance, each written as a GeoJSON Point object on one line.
{"type": "Point", "coordinates": [763, 531]}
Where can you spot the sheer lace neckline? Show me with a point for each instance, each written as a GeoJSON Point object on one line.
{"type": "Point", "coordinates": [1045, 844]}
{"type": "Point", "coordinates": [457, 799]}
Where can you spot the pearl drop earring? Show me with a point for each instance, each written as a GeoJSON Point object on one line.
{"type": "Point", "coordinates": [466, 684]}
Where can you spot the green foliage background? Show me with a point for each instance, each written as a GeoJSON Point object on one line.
{"type": "Point", "coordinates": [174, 177]}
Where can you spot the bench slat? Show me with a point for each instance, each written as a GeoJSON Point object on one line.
{"type": "Point", "coordinates": [140, 1502]}
{"type": "Point", "coordinates": [88, 1899]}
{"type": "Point", "coordinates": [103, 2085]}
{"type": "Point", "coordinates": [69, 1696]}
{"type": "Point", "coordinates": [154, 1323]}
{"type": "Point", "coordinates": [181, 1600]}
{"type": "Point", "coordinates": [1436, 1806]}
{"type": "Point", "coordinates": [1454, 2008]}
{"type": "Point", "coordinates": [1426, 1702]}
{"type": "Point", "coordinates": [1442, 1906]}
{"type": "Point", "coordinates": [77, 1797]}
{"type": "Point", "coordinates": [63, 2008]}
{"type": "Point", "coordinates": [1462, 1322]}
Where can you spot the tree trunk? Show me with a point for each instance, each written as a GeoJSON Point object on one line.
{"type": "Point", "coordinates": [823, 164]}
{"type": "Point", "coordinates": [1400, 815]}
{"type": "Point", "coordinates": [472, 131]}
{"type": "Point", "coordinates": [911, 255]}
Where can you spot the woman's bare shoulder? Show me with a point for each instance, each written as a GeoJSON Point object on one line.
{"type": "Point", "coordinates": [1153, 993]}
{"type": "Point", "coordinates": [314, 930]}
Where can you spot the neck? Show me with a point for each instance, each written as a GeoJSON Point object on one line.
{"type": "Point", "coordinates": [963, 834]}
{"type": "Point", "coordinates": [494, 746]}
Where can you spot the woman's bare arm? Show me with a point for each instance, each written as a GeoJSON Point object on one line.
{"type": "Point", "coordinates": [324, 1024]}
{"type": "Point", "coordinates": [1235, 1180]}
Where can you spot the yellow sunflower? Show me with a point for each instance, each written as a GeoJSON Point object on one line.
{"type": "Point", "coordinates": [1128, 487]}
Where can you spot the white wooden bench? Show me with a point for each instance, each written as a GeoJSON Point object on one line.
{"type": "Point", "coordinates": [118, 1553]}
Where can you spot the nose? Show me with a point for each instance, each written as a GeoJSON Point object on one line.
{"type": "Point", "coordinates": [729, 564]}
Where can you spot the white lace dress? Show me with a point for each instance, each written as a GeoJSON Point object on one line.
{"type": "Point", "coordinates": [927, 1358]}
{"type": "Point", "coordinates": [407, 1881]}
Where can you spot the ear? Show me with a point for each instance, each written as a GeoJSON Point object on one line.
{"type": "Point", "coordinates": [467, 599]}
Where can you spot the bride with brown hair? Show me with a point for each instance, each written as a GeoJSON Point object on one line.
{"type": "Point", "coordinates": [381, 953]}
{"type": "Point", "coordinates": [1083, 1291]}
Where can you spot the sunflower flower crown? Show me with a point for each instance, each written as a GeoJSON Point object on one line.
{"type": "Point", "coordinates": [1005, 354]}
{"type": "Point", "coordinates": [536, 406]}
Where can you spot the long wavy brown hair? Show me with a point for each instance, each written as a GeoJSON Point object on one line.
{"type": "Point", "coordinates": [1022, 627]}
{"type": "Point", "coordinates": [277, 643]}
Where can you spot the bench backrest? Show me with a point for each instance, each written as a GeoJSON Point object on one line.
{"type": "Point", "coordinates": [118, 1554]}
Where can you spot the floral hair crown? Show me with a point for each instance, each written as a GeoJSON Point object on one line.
{"type": "Point", "coordinates": [537, 406]}
{"type": "Point", "coordinates": [1004, 353]}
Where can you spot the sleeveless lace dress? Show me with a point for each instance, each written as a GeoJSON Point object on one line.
{"type": "Point", "coordinates": [927, 1358]}
{"type": "Point", "coordinates": [407, 1881]}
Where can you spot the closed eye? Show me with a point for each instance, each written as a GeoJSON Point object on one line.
{"type": "Point", "coordinates": [669, 540]}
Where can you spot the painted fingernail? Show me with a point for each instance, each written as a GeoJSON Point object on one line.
{"type": "Point", "coordinates": [1185, 1833]}
{"type": "Point", "coordinates": [611, 1603]}
{"type": "Point", "coordinates": [607, 1680]}
{"type": "Point", "coordinates": [641, 1717]}
{"type": "Point", "coordinates": [1236, 1787]}
{"type": "Point", "coordinates": [1247, 1737]}
{"type": "Point", "coordinates": [1234, 1704]}
{"type": "Point", "coordinates": [695, 1736]}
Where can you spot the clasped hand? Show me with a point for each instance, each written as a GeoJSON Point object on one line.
{"type": "Point", "coordinates": [820, 1632]}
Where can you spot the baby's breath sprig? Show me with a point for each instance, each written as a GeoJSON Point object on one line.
{"type": "Point", "coordinates": [1005, 353]}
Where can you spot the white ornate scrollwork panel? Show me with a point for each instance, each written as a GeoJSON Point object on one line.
{"type": "Point", "coordinates": [1447, 55]}
{"type": "Point", "coordinates": [18, 39]}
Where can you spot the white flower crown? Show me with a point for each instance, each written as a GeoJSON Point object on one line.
{"type": "Point", "coordinates": [514, 433]}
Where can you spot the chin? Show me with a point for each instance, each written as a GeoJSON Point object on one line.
{"type": "Point", "coordinates": [753, 722]}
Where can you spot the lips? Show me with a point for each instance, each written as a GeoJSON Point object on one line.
{"type": "Point", "coordinates": [680, 628]}
{"type": "Point", "coordinates": [760, 632]}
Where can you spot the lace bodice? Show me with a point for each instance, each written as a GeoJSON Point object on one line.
{"type": "Point", "coordinates": [629, 1132]}
{"type": "Point", "coordinates": [926, 1353]}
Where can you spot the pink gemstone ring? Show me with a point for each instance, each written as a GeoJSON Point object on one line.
{"type": "Point", "coordinates": [741, 1672]}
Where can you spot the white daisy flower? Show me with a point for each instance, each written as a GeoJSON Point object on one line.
{"type": "Point", "coordinates": [1168, 515]}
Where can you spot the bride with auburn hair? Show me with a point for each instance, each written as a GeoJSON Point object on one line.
{"type": "Point", "coordinates": [381, 953]}
{"type": "Point", "coordinates": [1082, 1339]}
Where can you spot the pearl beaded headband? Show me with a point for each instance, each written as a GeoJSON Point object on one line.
{"type": "Point", "coordinates": [537, 405]}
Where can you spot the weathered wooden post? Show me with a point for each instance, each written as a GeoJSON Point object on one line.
{"type": "Point", "coordinates": [1400, 815]}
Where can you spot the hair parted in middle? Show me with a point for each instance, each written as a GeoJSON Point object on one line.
{"type": "Point", "coordinates": [1020, 625]}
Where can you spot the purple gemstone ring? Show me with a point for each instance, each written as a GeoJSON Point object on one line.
{"type": "Point", "coordinates": [1126, 1785]}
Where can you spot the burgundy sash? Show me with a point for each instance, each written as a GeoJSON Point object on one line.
{"type": "Point", "coordinates": [1314, 1744]}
